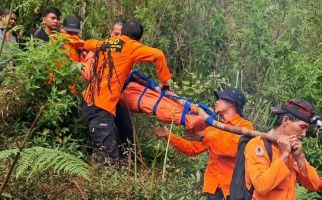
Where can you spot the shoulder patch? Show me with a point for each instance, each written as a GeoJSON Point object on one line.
{"type": "Point", "coordinates": [259, 150]}
{"type": "Point", "coordinates": [115, 44]}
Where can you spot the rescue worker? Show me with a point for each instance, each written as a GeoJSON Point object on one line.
{"type": "Point", "coordinates": [70, 31]}
{"type": "Point", "coordinates": [122, 117]}
{"type": "Point", "coordinates": [51, 22]}
{"type": "Point", "coordinates": [221, 145]}
{"type": "Point", "coordinates": [117, 28]}
{"type": "Point", "coordinates": [73, 46]}
{"type": "Point", "coordinates": [277, 179]}
{"type": "Point", "coordinates": [113, 61]}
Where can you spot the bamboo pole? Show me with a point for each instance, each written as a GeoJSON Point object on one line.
{"type": "Point", "coordinates": [240, 131]}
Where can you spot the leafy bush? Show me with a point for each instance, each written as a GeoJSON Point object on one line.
{"type": "Point", "coordinates": [303, 194]}
{"type": "Point", "coordinates": [43, 75]}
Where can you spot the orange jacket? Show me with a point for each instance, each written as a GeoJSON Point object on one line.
{"type": "Point", "coordinates": [125, 52]}
{"type": "Point", "coordinates": [74, 47]}
{"type": "Point", "coordinates": [276, 179]}
{"type": "Point", "coordinates": [222, 149]}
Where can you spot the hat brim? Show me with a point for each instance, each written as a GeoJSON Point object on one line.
{"type": "Point", "coordinates": [72, 30]}
{"type": "Point", "coordinates": [277, 110]}
{"type": "Point", "coordinates": [216, 95]}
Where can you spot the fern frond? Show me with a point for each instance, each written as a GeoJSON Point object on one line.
{"type": "Point", "coordinates": [60, 162]}
{"type": "Point", "coordinates": [25, 162]}
{"type": "Point", "coordinates": [5, 154]}
{"type": "Point", "coordinates": [39, 159]}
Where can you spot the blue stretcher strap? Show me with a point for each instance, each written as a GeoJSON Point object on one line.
{"type": "Point", "coordinates": [142, 94]}
{"type": "Point", "coordinates": [140, 75]}
{"type": "Point", "coordinates": [186, 109]}
{"type": "Point", "coordinates": [210, 120]}
{"type": "Point", "coordinates": [207, 110]}
{"type": "Point", "coordinates": [162, 94]}
{"type": "Point", "coordinates": [128, 80]}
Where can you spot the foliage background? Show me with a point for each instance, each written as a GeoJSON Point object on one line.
{"type": "Point", "coordinates": [269, 49]}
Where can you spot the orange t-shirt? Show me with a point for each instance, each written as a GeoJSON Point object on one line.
{"type": "Point", "coordinates": [274, 179]}
{"type": "Point", "coordinates": [125, 53]}
{"type": "Point", "coordinates": [222, 148]}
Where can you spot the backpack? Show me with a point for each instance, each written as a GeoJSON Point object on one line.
{"type": "Point", "coordinates": [238, 190]}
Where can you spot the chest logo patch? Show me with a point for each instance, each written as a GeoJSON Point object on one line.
{"type": "Point", "coordinates": [259, 150]}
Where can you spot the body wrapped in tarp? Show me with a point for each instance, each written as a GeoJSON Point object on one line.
{"type": "Point", "coordinates": [143, 98]}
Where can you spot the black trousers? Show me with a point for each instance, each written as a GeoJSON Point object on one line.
{"type": "Point", "coordinates": [124, 126]}
{"type": "Point", "coordinates": [103, 133]}
{"type": "Point", "coordinates": [217, 196]}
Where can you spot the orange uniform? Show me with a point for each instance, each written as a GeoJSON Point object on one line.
{"type": "Point", "coordinates": [274, 179]}
{"type": "Point", "coordinates": [125, 52]}
{"type": "Point", "coordinates": [73, 47]}
{"type": "Point", "coordinates": [222, 148]}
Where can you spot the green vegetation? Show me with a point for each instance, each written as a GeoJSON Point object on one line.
{"type": "Point", "coordinates": [269, 49]}
{"type": "Point", "coordinates": [38, 159]}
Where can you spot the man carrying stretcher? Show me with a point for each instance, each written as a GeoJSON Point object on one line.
{"type": "Point", "coordinates": [221, 145]}
{"type": "Point", "coordinates": [112, 63]}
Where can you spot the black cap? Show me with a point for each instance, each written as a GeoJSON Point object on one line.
{"type": "Point", "coordinates": [301, 109]}
{"type": "Point", "coordinates": [72, 24]}
{"type": "Point", "coordinates": [233, 95]}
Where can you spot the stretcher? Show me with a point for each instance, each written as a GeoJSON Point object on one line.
{"type": "Point", "coordinates": [143, 95]}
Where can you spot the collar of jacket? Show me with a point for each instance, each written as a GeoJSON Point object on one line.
{"type": "Point", "coordinates": [234, 120]}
